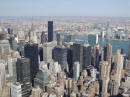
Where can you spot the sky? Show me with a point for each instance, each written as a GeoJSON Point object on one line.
{"type": "Point", "coordinates": [113, 8]}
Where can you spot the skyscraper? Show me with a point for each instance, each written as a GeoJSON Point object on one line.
{"type": "Point", "coordinates": [60, 55]}
{"type": "Point", "coordinates": [43, 37]}
{"type": "Point", "coordinates": [104, 78]}
{"type": "Point", "coordinates": [76, 70]}
{"type": "Point", "coordinates": [23, 75]}
{"type": "Point", "coordinates": [12, 68]}
{"type": "Point", "coordinates": [4, 49]}
{"type": "Point", "coordinates": [58, 37]}
{"type": "Point", "coordinates": [92, 39]}
{"type": "Point", "coordinates": [96, 57]}
{"type": "Point", "coordinates": [31, 52]}
{"type": "Point", "coordinates": [77, 53]}
{"type": "Point", "coordinates": [87, 55]}
{"type": "Point", "coordinates": [50, 31]}
{"type": "Point", "coordinates": [47, 51]}
{"type": "Point", "coordinates": [107, 53]}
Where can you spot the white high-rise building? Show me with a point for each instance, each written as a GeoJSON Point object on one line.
{"type": "Point", "coordinates": [15, 90]}
{"type": "Point", "coordinates": [12, 68]}
{"type": "Point", "coordinates": [47, 51]}
{"type": "Point", "coordinates": [76, 70]}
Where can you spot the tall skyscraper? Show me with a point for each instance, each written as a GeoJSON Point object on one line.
{"type": "Point", "coordinates": [92, 39]}
{"type": "Point", "coordinates": [43, 37]}
{"type": "Point", "coordinates": [77, 53]}
{"type": "Point", "coordinates": [76, 70]}
{"type": "Point", "coordinates": [12, 68]}
{"type": "Point", "coordinates": [47, 51]}
{"type": "Point", "coordinates": [87, 55]}
{"type": "Point", "coordinates": [96, 57]}
{"type": "Point", "coordinates": [104, 78]}
{"type": "Point", "coordinates": [60, 55]}
{"type": "Point", "coordinates": [118, 62]}
{"type": "Point", "coordinates": [50, 31]}
{"type": "Point", "coordinates": [23, 75]}
{"type": "Point", "coordinates": [31, 52]}
{"type": "Point", "coordinates": [113, 88]}
{"type": "Point", "coordinates": [4, 49]}
{"type": "Point", "coordinates": [107, 53]}
{"type": "Point", "coordinates": [58, 37]}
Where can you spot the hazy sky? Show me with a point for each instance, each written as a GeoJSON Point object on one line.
{"type": "Point", "coordinates": [119, 8]}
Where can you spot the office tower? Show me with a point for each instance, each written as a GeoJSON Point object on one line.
{"type": "Point", "coordinates": [12, 68]}
{"type": "Point", "coordinates": [2, 78]}
{"type": "Point", "coordinates": [76, 70]}
{"type": "Point", "coordinates": [50, 31]}
{"type": "Point", "coordinates": [92, 39]}
{"type": "Point", "coordinates": [104, 78]}
{"type": "Point", "coordinates": [16, 90]}
{"type": "Point", "coordinates": [21, 47]}
{"type": "Point", "coordinates": [104, 69]}
{"type": "Point", "coordinates": [113, 88]}
{"type": "Point", "coordinates": [31, 52]}
{"type": "Point", "coordinates": [96, 57]}
{"type": "Point", "coordinates": [13, 43]}
{"type": "Point", "coordinates": [58, 38]}
{"type": "Point", "coordinates": [107, 53]}
{"type": "Point", "coordinates": [41, 79]}
{"type": "Point", "coordinates": [43, 37]}
{"type": "Point", "coordinates": [77, 52]}
{"type": "Point", "coordinates": [87, 50]}
{"type": "Point", "coordinates": [118, 62]}
{"type": "Point", "coordinates": [4, 49]}
{"type": "Point", "coordinates": [60, 55]}
{"type": "Point", "coordinates": [70, 61]}
{"type": "Point", "coordinates": [68, 38]}
{"type": "Point", "coordinates": [23, 75]}
{"type": "Point", "coordinates": [47, 51]}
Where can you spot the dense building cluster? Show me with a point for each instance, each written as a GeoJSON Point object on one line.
{"type": "Point", "coordinates": [61, 67]}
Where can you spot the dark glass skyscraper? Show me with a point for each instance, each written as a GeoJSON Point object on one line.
{"type": "Point", "coordinates": [31, 52]}
{"type": "Point", "coordinates": [50, 31]}
{"type": "Point", "coordinates": [23, 75]}
{"type": "Point", "coordinates": [107, 53]}
{"type": "Point", "coordinates": [60, 55]}
{"type": "Point", "coordinates": [77, 52]}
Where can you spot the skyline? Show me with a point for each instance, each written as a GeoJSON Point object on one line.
{"type": "Point", "coordinates": [108, 8]}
